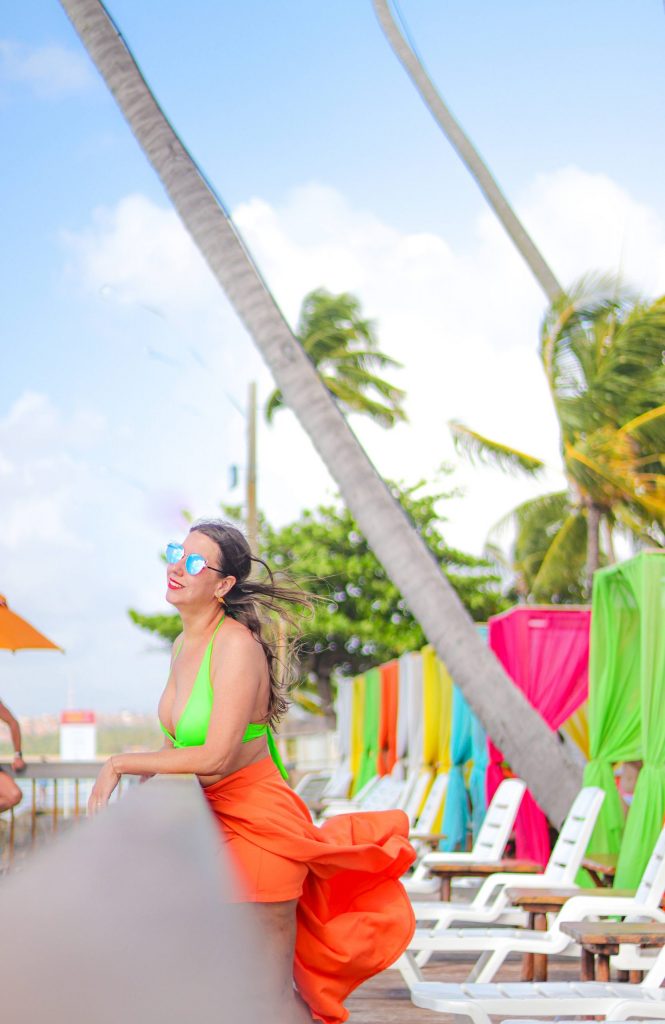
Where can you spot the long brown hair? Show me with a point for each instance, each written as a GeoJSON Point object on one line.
{"type": "Point", "coordinates": [249, 597]}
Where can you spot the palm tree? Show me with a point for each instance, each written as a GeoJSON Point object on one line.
{"type": "Point", "coordinates": [343, 346]}
{"type": "Point", "coordinates": [533, 749]}
{"type": "Point", "coordinates": [467, 151]}
{"type": "Point", "coordinates": [602, 351]}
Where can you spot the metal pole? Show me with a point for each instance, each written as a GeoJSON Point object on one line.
{"type": "Point", "coordinates": [252, 514]}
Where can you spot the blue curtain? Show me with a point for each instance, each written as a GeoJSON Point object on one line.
{"type": "Point", "coordinates": [468, 741]}
{"type": "Point", "coordinates": [477, 781]}
{"type": "Point", "coordinates": [456, 813]}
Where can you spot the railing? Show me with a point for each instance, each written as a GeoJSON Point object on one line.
{"type": "Point", "coordinates": [57, 791]}
{"type": "Point", "coordinates": [53, 791]}
{"type": "Point", "coordinates": [124, 918]}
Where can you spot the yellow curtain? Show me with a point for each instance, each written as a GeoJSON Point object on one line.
{"type": "Point", "coordinates": [437, 710]}
{"type": "Point", "coordinates": [577, 727]}
{"type": "Point", "coordinates": [357, 715]}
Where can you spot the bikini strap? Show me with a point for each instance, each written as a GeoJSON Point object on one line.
{"type": "Point", "coordinates": [275, 754]}
{"type": "Point", "coordinates": [256, 729]}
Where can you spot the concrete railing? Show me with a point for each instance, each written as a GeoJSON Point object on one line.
{"type": "Point", "coordinates": [126, 918]}
{"type": "Point", "coordinates": [52, 790]}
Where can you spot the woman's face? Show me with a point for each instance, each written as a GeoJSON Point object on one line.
{"type": "Point", "coordinates": [185, 591]}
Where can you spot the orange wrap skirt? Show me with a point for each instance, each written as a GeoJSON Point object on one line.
{"type": "Point", "coordinates": [354, 917]}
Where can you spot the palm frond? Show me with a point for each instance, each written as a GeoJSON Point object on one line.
{"type": "Point", "coordinates": [565, 555]}
{"type": "Point", "coordinates": [275, 401]}
{"type": "Point", "coordinates": [640, 421]}
{"type": "Point", "coordinates": [477, 447]}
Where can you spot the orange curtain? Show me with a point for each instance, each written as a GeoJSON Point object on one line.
{"type": "Point", "coordinates": [388, 717]}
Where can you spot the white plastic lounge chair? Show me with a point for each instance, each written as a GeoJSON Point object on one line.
{"type": "Point", "coordinates": [494, 944]}
{"type": "Point", "coordinates": [491, 906]}
{"type": "Point", "coordinates": [429, 815]}
{"type": "Point", "coordinates": [325, 785]}
{"type": "Point", "coordinates": [381, 793]}
{"type": "Point", "coordinates": [489, 845]}
{"type": "Point", "coordinates": [614, 1000]}
{"type": "Point", "coordinates": [413, 796]}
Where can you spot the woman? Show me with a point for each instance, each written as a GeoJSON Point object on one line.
{"type": "Point", "coordinates": [328, 900]}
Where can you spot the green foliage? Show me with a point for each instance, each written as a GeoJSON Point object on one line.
{"type": "Point", "coordinates": [549, 550]}
{"type": "Point", "coordinates": [168, 627]}
{"type": "Point", "coordinates": [343, 346]}
{"type": "Point", "coordinates": [603, 353]}
{"type": "Point", "coordinates": [361, 619]}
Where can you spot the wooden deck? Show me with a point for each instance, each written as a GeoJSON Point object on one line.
{"type": "Point", "coordinates": [385, 999]}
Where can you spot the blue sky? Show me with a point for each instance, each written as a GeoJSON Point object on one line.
{"type": "Point", "coordinates": [123, 364]}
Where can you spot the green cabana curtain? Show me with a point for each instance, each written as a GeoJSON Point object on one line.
{"type": "Point", "coordinates": [645, 575]}
{"type": "Point", "coordinates": [614, 698]}
{"type": "Point", "coordinates": [371, 711]}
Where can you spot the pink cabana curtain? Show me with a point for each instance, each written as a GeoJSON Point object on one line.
{"type": "Point", "coordinates": [545, 651]}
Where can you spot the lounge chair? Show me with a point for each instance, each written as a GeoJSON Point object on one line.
{"type": "Point", "coordinates": [489, 845]}
{"type": "Point", "coordinates": [495, 944]}
{"type": "Point", "coordinates": [491, 905]}
{"type": "Point", "coordinates": [613, 1000]}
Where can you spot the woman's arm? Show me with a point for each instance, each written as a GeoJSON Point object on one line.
{"type": "Point", "coordinates": [237, 668]}
{"type": "Point", "coordinates": [18, 763]}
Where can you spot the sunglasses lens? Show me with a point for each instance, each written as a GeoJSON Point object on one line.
{"type": "Point", "coordinates": [174, 553]}
{"type": "Point", "coordinates": [195, 564]}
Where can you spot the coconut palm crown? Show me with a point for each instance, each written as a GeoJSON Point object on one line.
{"type": "Point", "coordinates": [343, 346]}
{"type": "Point", "coordinates": [602, 349]}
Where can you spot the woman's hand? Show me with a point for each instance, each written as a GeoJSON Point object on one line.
{"type": "Point", "coordinates": [107, 780]}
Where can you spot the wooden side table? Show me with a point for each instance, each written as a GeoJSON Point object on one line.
{"type": "Point", "coordinates": [447, 870]}
{"type": "Point", "coordinates": [601, 939]}
{"type": "Point", "coordinates": [602, 867]}
{"type": "Point", "coordinates": [538, 903]}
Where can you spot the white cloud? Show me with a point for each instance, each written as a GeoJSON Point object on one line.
{"type": "Point", "coordinates": [91, 500]}
{"type": "Point", "coordinates": [50, 71]}
{"type": "Point", "coordinates": [138, 252]}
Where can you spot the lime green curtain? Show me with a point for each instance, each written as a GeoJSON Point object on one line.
{"type": "Point", "coordinates": [614, 698]}
{"type": "Point", "coordinates": [645, 576]}
{"type": "Point", "coordinates": [371, 710]}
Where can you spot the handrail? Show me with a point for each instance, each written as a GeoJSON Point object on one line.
{"type": "Point", "coordinates": [71, 773]}
{"type": "Point", "coordinates": [54, 769]}
{"type": "Point", "coordinates": [125, 918]}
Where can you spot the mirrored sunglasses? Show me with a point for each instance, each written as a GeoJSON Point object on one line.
{"type": "Point", "coordinates": [194, 564]}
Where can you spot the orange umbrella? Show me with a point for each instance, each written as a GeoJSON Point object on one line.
{"type": "Point", "coordinates": [17, 635]}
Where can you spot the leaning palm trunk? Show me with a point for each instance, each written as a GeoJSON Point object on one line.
{"type": "Point", "coordinates": [533, 750]}
{"type": "Point", "coordinates": [467, 151]}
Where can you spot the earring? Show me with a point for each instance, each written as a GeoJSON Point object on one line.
{"type": "Point", "coordinates": [220, 598]}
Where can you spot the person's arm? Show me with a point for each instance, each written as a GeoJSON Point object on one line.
{"type": "Point", "coordinates": [18, 764]}
{"type": "Point", "coordinates": [236, 670]}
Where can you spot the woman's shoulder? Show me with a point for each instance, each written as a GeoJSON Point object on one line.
{"type": "Point", "coordinates": [236, 640]}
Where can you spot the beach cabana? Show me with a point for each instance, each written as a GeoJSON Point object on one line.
{"type": "Point", "coordinates": [626, 699]}
{"type": "Point", "coordinates": [545, 651]}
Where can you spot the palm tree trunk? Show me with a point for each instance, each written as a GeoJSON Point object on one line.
{"type": "Point", "coordinates": [467, 151]}
{"type": "Point", "coordinates": [531, 747]}
{"type": "Point", "coordinates": [592, 544]}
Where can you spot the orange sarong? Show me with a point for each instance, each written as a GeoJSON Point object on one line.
{"type": "Point", "coordinates": [354, 916]}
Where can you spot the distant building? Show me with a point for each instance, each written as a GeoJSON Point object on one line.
{"type": "Point", "coordinates": [78, 736]}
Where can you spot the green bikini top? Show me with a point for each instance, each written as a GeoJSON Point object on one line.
{"type": "Point", "coordinates": [192, 727]}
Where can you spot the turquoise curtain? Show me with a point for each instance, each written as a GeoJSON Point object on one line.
{"type": "Point", "coordinates": [477, 781]}
{"type": "Point", "coordinates": [456, 814]}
